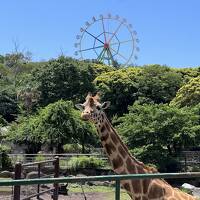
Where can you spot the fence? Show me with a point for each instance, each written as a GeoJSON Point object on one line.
{"type": "Point", "coordinates": [27, 158]}
{"type": "Point", "coordinates": [186, 158]}
{"type": "Point", "coordinates": [18, 171]}
{"type": "Point", "coordinates": [116, 178]}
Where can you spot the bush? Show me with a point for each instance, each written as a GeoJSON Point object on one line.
{"type": "Point", "coordinates": [39, 158]}
{"type": "Point", "coordinates": [72, 148]}
{"type": "Point", "coordinates": [85, 162]}
{"type": "Point", "coordinates": [5, 161]}
{"type": "Point", "coordinates": [3, 122]}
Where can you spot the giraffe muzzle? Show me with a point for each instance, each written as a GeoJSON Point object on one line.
{"type": "Point", "coordinates": [85, 116]}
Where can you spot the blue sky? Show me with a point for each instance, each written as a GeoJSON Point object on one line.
{"type": "Point", "coordinates": [168, 30]}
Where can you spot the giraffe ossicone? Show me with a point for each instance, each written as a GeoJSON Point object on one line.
{"type": "Point", "coordinates": [122, 161]}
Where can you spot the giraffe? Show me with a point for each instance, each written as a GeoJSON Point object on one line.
{"type": "Point", "coordinates": [122, 161]}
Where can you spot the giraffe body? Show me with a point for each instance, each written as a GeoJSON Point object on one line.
{"type": "Point", "coordinates": [123, 162]}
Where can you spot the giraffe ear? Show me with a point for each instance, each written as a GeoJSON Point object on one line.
{"type": "Point", "coordinates": [105, 105]}
{"type": "Point", "coordinates": [79, 106]}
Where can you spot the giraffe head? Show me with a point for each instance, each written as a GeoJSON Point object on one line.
{"type": "Point", "coordinates": [92, 107]}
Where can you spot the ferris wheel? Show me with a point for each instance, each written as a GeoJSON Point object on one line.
{"type": "Point", "coordinates": [108, 39]}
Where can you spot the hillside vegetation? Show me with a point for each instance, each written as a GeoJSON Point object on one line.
{"type": "Point", "coordinates": [156, 109]}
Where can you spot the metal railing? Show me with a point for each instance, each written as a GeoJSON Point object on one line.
{"type": "Point", "coordinates": [116, 178]}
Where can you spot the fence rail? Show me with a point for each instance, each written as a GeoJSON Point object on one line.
{"type": "Point", "coordinates": [116, 178]}
{"type": "Point", "coordinates": [186, 158]}
{"type": "Point", "coordinates": [28, 158]}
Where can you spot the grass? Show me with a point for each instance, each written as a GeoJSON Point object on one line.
{"type": "Point", "coordinates": [110, 191]}
{"type": "Point", "coordinates": [5, 189]}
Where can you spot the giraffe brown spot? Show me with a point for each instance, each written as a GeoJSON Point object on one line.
{"type": "Point", "coordinates": [146, 183]}
{"type": "Point", "coordinates": [126, 186]}
{"type": "Point", "coordinates": [110, 148]}
{"type": "Point", "coordinates": [137, 198]}
{"type": "Point", "coordinates": [114, 138]}
{"type": "Point", "coordinates": [103, 128]}
{"type": "Point", "coordinates": [104, 137]}
{"type": "Point", "coordinates": [156, 191]}
{"type": "Point", "coordinates": [117, 162]}
{"type": "Point", "coordinates": [122, 151]}
{"type": "Point", "coordinates": [128, 161]}
{"type": "Point", "coordinates": [136, 186]}
{"type": "Point", "coordinates": [130, 167]}
{"type": "Point", "coordinates": [144, 198]}
{"type": "Point", "coordinates": [141, 170]}
{"type": "Point", "coordinates": [107, 126]}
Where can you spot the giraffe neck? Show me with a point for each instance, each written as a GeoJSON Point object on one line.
{"type": "Point", "coordinates": [120, 158]}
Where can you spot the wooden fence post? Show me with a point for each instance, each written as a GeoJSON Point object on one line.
{"type": "Point", "coordinates": [18, 169]}
{"type": "Point", "coordinates": [56, 175]}
{"type": "Point", "coordinates": [38, 186]}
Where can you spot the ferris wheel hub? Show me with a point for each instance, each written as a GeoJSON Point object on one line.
{"type": "Point", "coordinates": [106, 46]}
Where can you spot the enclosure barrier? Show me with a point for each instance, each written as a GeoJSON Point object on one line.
{"type": "Point", "coordinates": [18, 171]}
{"type": "Point", "coordinates": [116, 178]}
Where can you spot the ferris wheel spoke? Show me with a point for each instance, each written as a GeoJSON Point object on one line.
{"type": "Point", "coordinates": [101, 55]}
{"type": "Point", "coordinates": [117, 53]}
{"type": "Point", "coordinates": [94, 36]}
{"type": "Point", "coordinates": [104, 32]}
{"type": "Point", "coordinates": [92, 48]}
{"type": "Point", "coordinates": [126, 41]}
{"type": "Point", "coordinates": [110, 55]}
{"type": "Point", "coordinates": [115, 32]}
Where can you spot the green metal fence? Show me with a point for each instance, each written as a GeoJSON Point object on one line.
{"type": "Point", "coordinates": [116, 178]}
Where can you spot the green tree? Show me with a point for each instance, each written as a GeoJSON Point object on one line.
{"type": "Point", "coordinates": [189, 94]}
{"type": "Point", "coordinates": [3, 122]}
{"type": "Point", "coordinates": [1, 59]}
{"type": "Point", "coordinates": [120, 87]}
{"type": "Point", "coordinates": [61, 78]}
{"type": "Point", "coordinates": [152, 131]}
{"type": "Point", "coordinates": [8, 105]}
{"type": "Point", "coordinates": [4, 71]}
{"type": "Point", "coordinates": [188, 73]}
{"type": "Point", "coordinates": [56, 124]}
{"type": "Point", "coordinates": [158, 84]}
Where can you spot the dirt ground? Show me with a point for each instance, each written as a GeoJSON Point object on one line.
{"type": "Point", "coordinates": [74, 196]}
{"type": "Point", "coordinates": [7, 195]}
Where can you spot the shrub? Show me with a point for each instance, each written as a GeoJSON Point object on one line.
{"type": "Point", "coordinates": [85, 162]}
{"type": "Point", "coordinates": [5, 161]}
{"type": "Point", "coordinates": [39, 158]}
{"type": "Point", "coordinates": [72, 148]}
{"type": "Point", "coordinates": [3, 122]}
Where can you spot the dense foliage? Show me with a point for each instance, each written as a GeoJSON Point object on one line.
{"type": "Point", "coordinates": [56, 124]}
{"type": "Point", "coordinates": [189, 94]}
{"type": "Point", "coordinates": [154, 132]}
{"type": "Point", "coordinates": [155, 108]}
{"type": "Point", "coordinates": [158, 84]}
{"type": "Point", "coordinates": [85, 162]}
{"type": "Point", "coordinates": [120, 87]}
